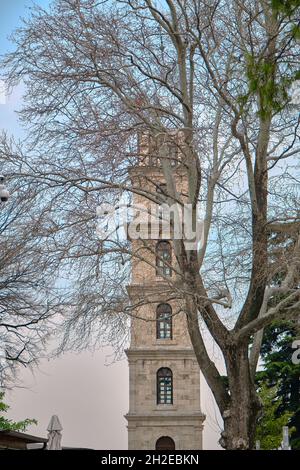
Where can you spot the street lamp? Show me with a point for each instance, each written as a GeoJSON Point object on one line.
{"type": "Point", "coordinates": [4, 194]}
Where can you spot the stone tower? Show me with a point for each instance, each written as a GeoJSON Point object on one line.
{"type": "Point", "coordinates": [164, 377]}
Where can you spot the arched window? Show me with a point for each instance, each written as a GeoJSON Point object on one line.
{"type": "Point", "coordinates": [163, 256]}
{"type": "Point", "coordinates": [164, 321]}
{"type": "Point", "coordinates": [165, 443]}
{"type": "Point", "coordinates": [154, 160]}
{"type": "Point", "coordinates": [154, 150]}
{"type": "Point", "coordinates": [173, 154]}
{"type": "Point", "coordinates": [164, 386]}
{"type": "Point", "coordinates": [161, 188]}
{"type": "Point", "coordinates": [162, 196]}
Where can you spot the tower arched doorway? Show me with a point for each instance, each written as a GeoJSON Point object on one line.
{"type": "Point", "coordinates": [165, 443]}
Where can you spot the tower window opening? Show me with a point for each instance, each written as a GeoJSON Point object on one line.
{"type": "Point", "coordinates": [163, 259]}
{"type": "Point", "coordinates": [164, 386]}
{"type": "Point", "coordinates": [164, 321]}
{"type": "Point", "coordinates": [165, 443]}
{"type": "Point", "coordinates": [173, 154]}
{"type": "Point", "coordinates": [162, 189]}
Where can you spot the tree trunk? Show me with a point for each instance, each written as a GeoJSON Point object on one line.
{"type": "Point", "coordinates": [244, 406]}
{"type": "Point", "coordinates": [238, 403]}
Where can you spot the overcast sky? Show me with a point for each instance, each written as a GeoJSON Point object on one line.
{"type": "Point", "coordinates": [89, 396]}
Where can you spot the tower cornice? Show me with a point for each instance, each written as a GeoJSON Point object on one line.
{"type": "Point", "coordinates": [154, 171]}
{"type": "Point", "coordinates": [159, 288]}
{"type": "Point", "coordinates": [160, 353]}
{"type": "Point", "coordinates": [166, 417]}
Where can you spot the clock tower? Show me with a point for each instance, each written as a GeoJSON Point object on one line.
{"type": "Point", "coordinates": [164, 376]}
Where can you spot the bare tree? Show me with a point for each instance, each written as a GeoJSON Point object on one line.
{"type": "Point", "coordinates": [28, 295]}
{"type": "Point", "coordinates": [217, 73]}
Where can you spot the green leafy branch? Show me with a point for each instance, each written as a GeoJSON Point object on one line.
{"type": "Point", "coordinates": [8, 424]}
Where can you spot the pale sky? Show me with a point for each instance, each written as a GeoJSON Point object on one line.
{"type": "Point", "coordinates": [89, 397]}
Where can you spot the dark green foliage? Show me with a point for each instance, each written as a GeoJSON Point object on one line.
{"type": "Point", "coordinates": [281, 373]}
{"type": "Point", "coordinates": [286, 7]}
